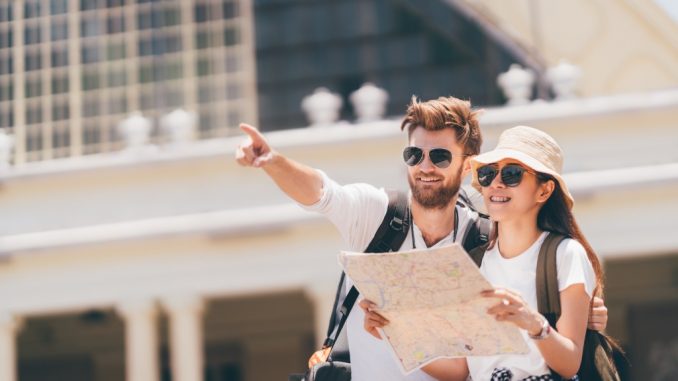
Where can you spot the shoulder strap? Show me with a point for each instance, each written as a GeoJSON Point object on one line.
{"type": "Point", "coordinates": [478, 230]}
{"type": "Point", "coordinates": [389, 237]}
{"type": "Point", "coordinates": [393, 229]}
{"type": "Point", "coordinates": [548, 295]}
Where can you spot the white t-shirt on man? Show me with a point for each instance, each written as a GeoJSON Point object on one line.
{"type": "Point", "coordinates": [519, 274]}
{"type": "Point", "coordinates": [357, 211]}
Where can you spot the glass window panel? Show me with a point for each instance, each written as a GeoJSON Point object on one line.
{"type": "Point", "coordinates": [205, 67]}
{"type": "Point", "coordinates": [86, 5]}
{"type": "Point", "coordinates": [230, 9]}
{"type": "Point", "coordinates": [7, 118]}
{"type": "Point", "coordinates": [31, 8]}
{"type": "Point", "coordinates": [33, 139]}
{"type": "Point", "coordinates": [91, 106]}
{"type": "Point", "coordinates": [115, 24]}
{"type": "Point", "coordinates": [145, 47]}
{"type": "Point", "coordinates": [59, 30]}
{"type": "Point", "coordinates": [7, 65]}
{"type": "Point", "coordinates": [117, 105]}
{"type": "Point", "coordinates": [33, 87]}
{"type": "Point", "coordinates": [145, 73]}
{"type": "Point", "coordinates": [200, 13]}
{"type": "Point", "coordinates": [33, 61]}
{"type": "Point", "coordinates": [59, 57]}
{"type": "Point", "coordinates": [60, 110]}
{"type": "Point", "coordinates": [33, 113]}
{"type": "Point", "coordinates": [116, 51]}
{"type": "Point", "coordinates": [144, 20]}
{"type": "Point", "coordinates": [58, 6]}
{"type": "Point", "coordinates": [60, 85]}
{"type": "Point", "coordinates": [90, 27]}
{"type": "Point", "coordinates": [6, 12]}
{"type": "Point", "coordinates": [61, 137]}
{"type": "Point", "coordinates": [172, 17]}
{"type": "Point", "coordinates": [117, 77]}
{"type": "Point", "coordinates": [6, 38]}
{"type": "Point", "coordinates": [32, 34]}
{"type": "Point", "coordinates": [115, 3]}
{"type": "Point", "coordinates": [7, 92]}
{"type": "Point", "coordinates": [90, 80]}
{"type": "Point", "coordinates": [90, 54]}
{"type": "Point", "coordinates": [231, 36]}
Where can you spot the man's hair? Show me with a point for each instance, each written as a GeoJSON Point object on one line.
{"type": "Point", "coordinates": [446, 112]}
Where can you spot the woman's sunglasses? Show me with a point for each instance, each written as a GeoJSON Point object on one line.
{"type": "Point", "coordinates": [440, 157]}
{"type": "Point", "coordinates": [511, 174]}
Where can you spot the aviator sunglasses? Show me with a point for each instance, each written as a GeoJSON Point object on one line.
{"type": "Point", "coordinates": [440, 157]}
{"type": "Point", "coordinates": [511, 174]}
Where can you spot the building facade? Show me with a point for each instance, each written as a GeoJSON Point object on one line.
{"type": "Point", "coordinates": [173, 263]}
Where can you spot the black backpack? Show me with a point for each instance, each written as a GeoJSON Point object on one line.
{"type": "Point", "coordinates": [389, 237]}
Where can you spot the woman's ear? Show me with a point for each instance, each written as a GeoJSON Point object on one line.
{"type": "Point", "coordinates": [545, 190]}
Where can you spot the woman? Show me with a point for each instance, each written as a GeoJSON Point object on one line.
{"type": "Point", "coordinates": [526, 198]}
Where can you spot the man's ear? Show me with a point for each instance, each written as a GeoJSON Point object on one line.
{"type": "Point", "coordinates": [545, 191]}
{"type": "Point", "coordinates": [466, 167]}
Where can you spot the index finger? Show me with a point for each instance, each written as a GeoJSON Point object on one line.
{"type": "Point", "coordinates": [252, 132]}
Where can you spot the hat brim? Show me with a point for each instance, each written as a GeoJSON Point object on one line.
{"type": "Point", "coordinates": [527, 160]}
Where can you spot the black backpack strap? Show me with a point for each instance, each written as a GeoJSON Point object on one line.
{"type": "Point", "coordinates": [389, 237]}
{"type": "Point", "coordinates": [393, 229]}
{"type": "Point", "coordinates": [548, 295]}
{"type": "Point", "coordinates": [477, 233]}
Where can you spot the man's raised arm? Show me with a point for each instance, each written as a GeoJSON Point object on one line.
{"type": "Point", "coordinates": [300, 182]}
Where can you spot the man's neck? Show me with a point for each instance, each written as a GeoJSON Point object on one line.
{"type": "Point", "coordinates": [434, 224]}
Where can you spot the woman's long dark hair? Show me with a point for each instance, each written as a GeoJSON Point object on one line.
{"type": "Point", "coordinates": [555, 216]}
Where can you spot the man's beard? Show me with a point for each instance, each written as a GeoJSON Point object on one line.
{"type": "Point", "coordinates": [435, 199]}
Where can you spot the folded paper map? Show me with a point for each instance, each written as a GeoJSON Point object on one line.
{"type": "Point", "coordinates": [432, 301]}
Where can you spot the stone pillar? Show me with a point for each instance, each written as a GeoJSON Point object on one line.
{"type": "Point", "coordinates": [141, 340]}
{"type": "Point", "coordinates": [9, 325]}
{"type": "Point", "coordinates": [186, 339]}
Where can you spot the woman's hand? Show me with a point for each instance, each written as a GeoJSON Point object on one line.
{"type": "Point", "coordinates": [512, 308]}
{"type": "Point", "coordinates": [598, 315]}
{"type": "Point", "coordinates": [372, 319]}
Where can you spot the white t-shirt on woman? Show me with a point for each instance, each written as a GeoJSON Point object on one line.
{"type": "Point", "coordinates": [519, 274]}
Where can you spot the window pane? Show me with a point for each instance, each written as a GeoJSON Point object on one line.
{"type": "Point", "coordinates": [31, 8]}
{"type": "Point", "coordinates": [117, 77]}
{"type": "Point", "coordinates": [90, 27]}
{"type": "Point", "coordinates": [6, 38]}
{"type": "Point", "coordinates": [115, 24]}
{"type": "Point", "coordinates": [90, 80]}
{"type": "Point", "coordinates": [32, 34]}
{"type": "Point", "coordinates": [90, 54]}
{"type": "Point", "coordinates": [59, 30]}
{"type": "Point", "coordinates": [59, 57]}
{"type": "Point", "coordinates": [58, 6]}
{"type": "Point", "coordinates": [33, 87]}
{"type": "Point", "coordinates": [33, 61]}
{"type": "Point", "coordinates": [60, 85]}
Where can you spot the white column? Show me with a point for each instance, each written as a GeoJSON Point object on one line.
{"type": "Point", "coordinates": [141, 340]}
{"type": "Point", "coordinates": [9, 325]}
{"type": "Point", "coordinates": [186, 339]}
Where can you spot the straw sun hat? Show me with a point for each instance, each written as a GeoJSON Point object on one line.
{"type": "Point", "coordinates": [533, 148]}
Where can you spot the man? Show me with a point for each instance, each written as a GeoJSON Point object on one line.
{"type": "Point", "coordinates": [443, 136]}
